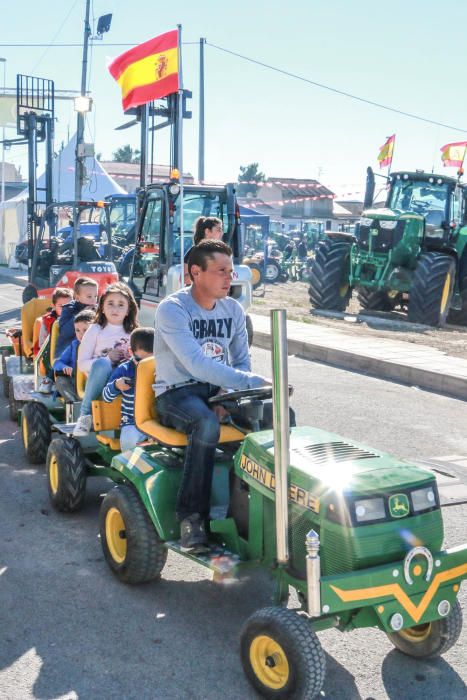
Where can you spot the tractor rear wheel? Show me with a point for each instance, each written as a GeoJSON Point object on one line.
{"type": "Point", "coordinates": [432, 638]}
{"type": "Point", "coordinates": [374, 300]}
{"type": "Point", "coordinates": [5, 377]}
{"type": "Point", "coordinates": [35, 431]}
{"type": "Point", "coordinates": [459, 316]}
{"type": "Point", "coordinates": [281, 655]}
{"type": "Point", "coordinates": [256, 274]}
{"type": "Point", "coordinates": [131, 545]}
{"type": "Point", "coordinates": [431, 289]}
{"type": "Point", "coordinates": [329, 276]}
{"type": "Point", "coordinates": [66, 474]}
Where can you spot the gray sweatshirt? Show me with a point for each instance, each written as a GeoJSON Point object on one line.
{"type": "Point", "coordinates": [192, 343]}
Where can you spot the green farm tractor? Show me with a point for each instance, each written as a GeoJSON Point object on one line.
{"type": "Point", "coordinates": [357, 534]}
{"type": "Point", "coordinates": [411, 253]}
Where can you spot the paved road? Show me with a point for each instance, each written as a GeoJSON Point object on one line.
{"type": "Point", "coordinates": [68, 629]}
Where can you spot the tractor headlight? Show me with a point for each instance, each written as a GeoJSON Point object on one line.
{"type": "Point", "coordinates": [423, 499]}
{"type": "Point", "coordinates": [389, 225]}
{"type": "Point", "coordinates": [366, 222]}
{"type": "Point", "coordinates": [369, 509]}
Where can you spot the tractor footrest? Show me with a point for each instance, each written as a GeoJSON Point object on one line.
{"type": "Point", "coordinates": [65, 428]}
{"type": "Point", "coordinates": [221, 562]}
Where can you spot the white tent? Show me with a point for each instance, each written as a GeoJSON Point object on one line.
{"type": "Point", "coordinates": [13, 212]}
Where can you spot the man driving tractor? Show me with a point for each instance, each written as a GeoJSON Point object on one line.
{"type": "Point", "coordinates": [201, 346]}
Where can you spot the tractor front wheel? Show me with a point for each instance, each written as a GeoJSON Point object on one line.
{"type": "Point", "coordinates": [432, 638]}
{"type": "Point", "coordinates": [329, 276]}
{"type": "Point", "coordinates": [131, 545]}
{"type": "Point", "coordinates": [66, 474]}
{"type": "Point", "coordinates": [35, 431]}
{"type": "Point", "coordinates": [431, 289]}
{"type": "Point", "coordinates": [374, 300]}
{"type": "Point", "coordinates": [281, 655]}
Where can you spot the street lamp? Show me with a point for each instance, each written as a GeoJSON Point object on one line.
{"type": "Point", "coordinates": [83, 104]}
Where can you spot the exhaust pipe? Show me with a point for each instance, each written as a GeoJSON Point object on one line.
{"type": "Point", "coordinates": [369, 189]}
{"type": "Point", "coordinates": [280, 399]}
{"type": "Point", "coordinates": [313, 574]}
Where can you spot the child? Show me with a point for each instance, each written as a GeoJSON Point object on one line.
{"type": "Point", "coordinates": [104, 346]}
{"type": "Point", "coordinates": [60, 298]}
{"type": "Point", "coordinates": [122, 381]}
{"type": "Point", "coordinates": [85, 297]}
{"type": "Point", "coordinates": [65, 365]}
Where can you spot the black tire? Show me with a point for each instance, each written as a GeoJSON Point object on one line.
{"type": "Point", "coordinates": [431, 289]}
{"type": "Point", "coordinates": [459, 316]}
{"type": "Point", "coordinates": [281, 655]}
{"type": "Point", "coordinates": [272, 271]}
{"type": "Point", "coordinates": [249, 330]}
{"type": "Point", "coordinates": [66, 474]}
{"type": "Point", "coordinates": [432, 639]}
{"type": "Point", "coordinates": [131, 546]}
{"type": "Point", "coordinates": [36, 431]}
{"type": "Point", "coordinates": [256, 274]}
{"type": "Point", "coordinates": [329, 276]}
{"type": "Point", "coordinates": [374, 300]}
{"type": "Point", "coordinates": [5, 377]}
{"type": "Point", "coordinates": [14, 406]}
{"type": "Point", "coordinates": [29, 292]}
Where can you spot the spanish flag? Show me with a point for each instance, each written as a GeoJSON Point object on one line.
{"type": "Point", "coordinates": [453, 154]}
{"type": "Point", "coordinates": [149, 71]}
{"type": "Point", "coordinates": [386, 151]}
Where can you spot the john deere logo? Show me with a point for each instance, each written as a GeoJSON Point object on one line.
{"type": "Point", "coordinates": [399, 505]}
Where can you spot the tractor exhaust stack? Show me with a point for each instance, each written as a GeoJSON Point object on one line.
{"type": "Point", "coordinates": [313, 574]}
{"type": "Point", "coordinates": [280, 399]}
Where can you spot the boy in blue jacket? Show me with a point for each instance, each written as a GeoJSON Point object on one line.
{"type": "Point", "coordinates": [85, 292]}
{"type": "Point", "coordinates": [65, 366]}
{"type": "Point", "coordinates": [122, 381]}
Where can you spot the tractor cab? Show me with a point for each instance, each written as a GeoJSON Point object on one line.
{"type": "Point", "coordinates": [58, 259]}
{"type": "Point", "coordinates": [157, 266]}
{"type": "Point", "coordinates": [122, 215]}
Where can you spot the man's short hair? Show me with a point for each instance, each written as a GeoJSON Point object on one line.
{"type": "Point", "coordinates": [86, 316]}
{"type": "Point", "coordinates": [142, 338]}
{"type": "Point", "coordinates": [84, 282]}
{"type": "Point", "coordinates": [61, 292]}
{"type": "Point", "coordinates": [204, 251]}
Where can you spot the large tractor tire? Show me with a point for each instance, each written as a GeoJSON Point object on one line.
{"type": "Point", "coordinates": [66, 474]}
{"type": "Point", "coordinates": [281, 655]}
{"type": "Point", "coordinates": [459, 316]}
{"type": "Point", "coordinates": [432, 638]}
{"type": "Point", "coordinates": [374, 300]}
{"type": "Point", "coordinates": [431, 289]}
{"type": "Point", "coordinates": [131, 546]}
{"type": "Point", "coordinates": [36, 431]}
{"type": "Point", "coordinates": [329, 276]}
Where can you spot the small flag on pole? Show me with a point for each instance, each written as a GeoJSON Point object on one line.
{"type": "Point", "coordinates": [149, 71]}
{"type": "Point", "coordinates": [453, 154]}
{"type": "Point", "coordinates": [386, 151]}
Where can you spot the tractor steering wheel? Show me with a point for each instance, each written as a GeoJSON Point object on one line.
{"type": "Point", "coordinates": [262, 392]}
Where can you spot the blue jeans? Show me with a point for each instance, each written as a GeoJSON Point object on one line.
{"type": "Point", "coordinates": [98, 377]}
{"type": "Point", "coordinates": [186, 410]}
{"type": "Point", "coordinates": [129, 436]}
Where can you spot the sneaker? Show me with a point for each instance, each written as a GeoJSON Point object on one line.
{"type": "Point", "coordinates": [46, 386]}
{"type": "Point", "coordinates": [193, 535]}
{"type": "Point", "coordinates": [83, 426]}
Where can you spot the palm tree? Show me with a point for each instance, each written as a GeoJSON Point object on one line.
{"type": "Point", "coordinates": [126, 154]}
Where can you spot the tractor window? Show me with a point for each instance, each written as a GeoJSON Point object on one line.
{"type": "Point", "coordinates": [196, 204]}
{"type": "Point", "coordinates": [122, 215]}
{"type": "Point", "coordinates": [422, 197]}
{"type": "Point", "coordinates": [148, 256]}
{"type": "Point", "coordinates": [455, 215]}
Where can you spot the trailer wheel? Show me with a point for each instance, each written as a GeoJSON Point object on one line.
{"type": "Point", "coordinates": [374, 300]}
{"type": "Point", "coordinates": [29, 292]}
{"type": "Point", "coordinates": [35, 431]}
{"type": "Point", "coordinates": [431, 289]}
{"type": "Point", "coordinates": [281, 655]}
{"type": "Point", "coordinates": [66, 474]}
{"type": "Point", "coordinates": [329, 276]}
{"type": "Point", "coordinates": [14, 406]}
{"type": "Point", "coordinates": [5, 377]}
{"type": "Point", "coordinates": [131, 545]}
{"type": "Point", "coordinates": [432, 638]}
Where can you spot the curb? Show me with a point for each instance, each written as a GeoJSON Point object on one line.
{"type": "Point", "coordinates": [447, 385]}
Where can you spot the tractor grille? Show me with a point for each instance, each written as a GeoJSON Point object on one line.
{"type": "Point", "coordinates": [383, 240]}
{"type": "Point", "coordinates": [324, 452]}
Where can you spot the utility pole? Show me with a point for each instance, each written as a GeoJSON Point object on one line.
{"type": "Point", "coordinates": [79, 159]}
{"type": "Point", "coordinates": [201, 112]}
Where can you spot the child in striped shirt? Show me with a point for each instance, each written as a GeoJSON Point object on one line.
{"type": "Point", "coordinates": [122, 381]}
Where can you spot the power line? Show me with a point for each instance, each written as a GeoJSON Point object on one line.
{"type": "Point", "coordinates": [98, 44]}
{"type": "Point", "coordinates": [55, 35]}
{"type": "Point", "coordinates": [335, 90]}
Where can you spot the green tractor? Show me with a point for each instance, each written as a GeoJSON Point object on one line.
{"type": "Point", "coordinates": [357, 534]}
{"type": "Point", "coordinates": [411, 253]}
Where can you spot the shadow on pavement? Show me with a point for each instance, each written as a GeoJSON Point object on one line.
{"type": "Point", "coordinates": [404, 677]}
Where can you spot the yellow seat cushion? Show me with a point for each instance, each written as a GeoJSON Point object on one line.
{"type": "Point", "coordinates": [112, 442]}
{"type": "Point", "coordinates": [29, 313]}
{"type": "Point", "coordinates": [146, 418]}
{"type": "Point", "coordinates": [53, 341]}
{"type": "Point", "coordinates": [107, 416]}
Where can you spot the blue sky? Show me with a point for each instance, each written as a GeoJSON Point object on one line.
{"type": "Point", "coordinates": [409, 55]}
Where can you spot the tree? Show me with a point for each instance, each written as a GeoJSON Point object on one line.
{"type": "Point", "coordinates": [249, 173]}
{"type": "Point", "coordinates": [126, 154]}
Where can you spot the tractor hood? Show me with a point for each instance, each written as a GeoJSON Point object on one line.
{"type": "Point", "coordinates": [323, 462]}
{"type": "Point", "coordinates": [385, 214]}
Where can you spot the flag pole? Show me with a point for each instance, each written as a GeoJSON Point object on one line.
{"type": "Point", "coordinates": [180, 150]}
{"type": "Point", "coordinates": [392, 155]}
